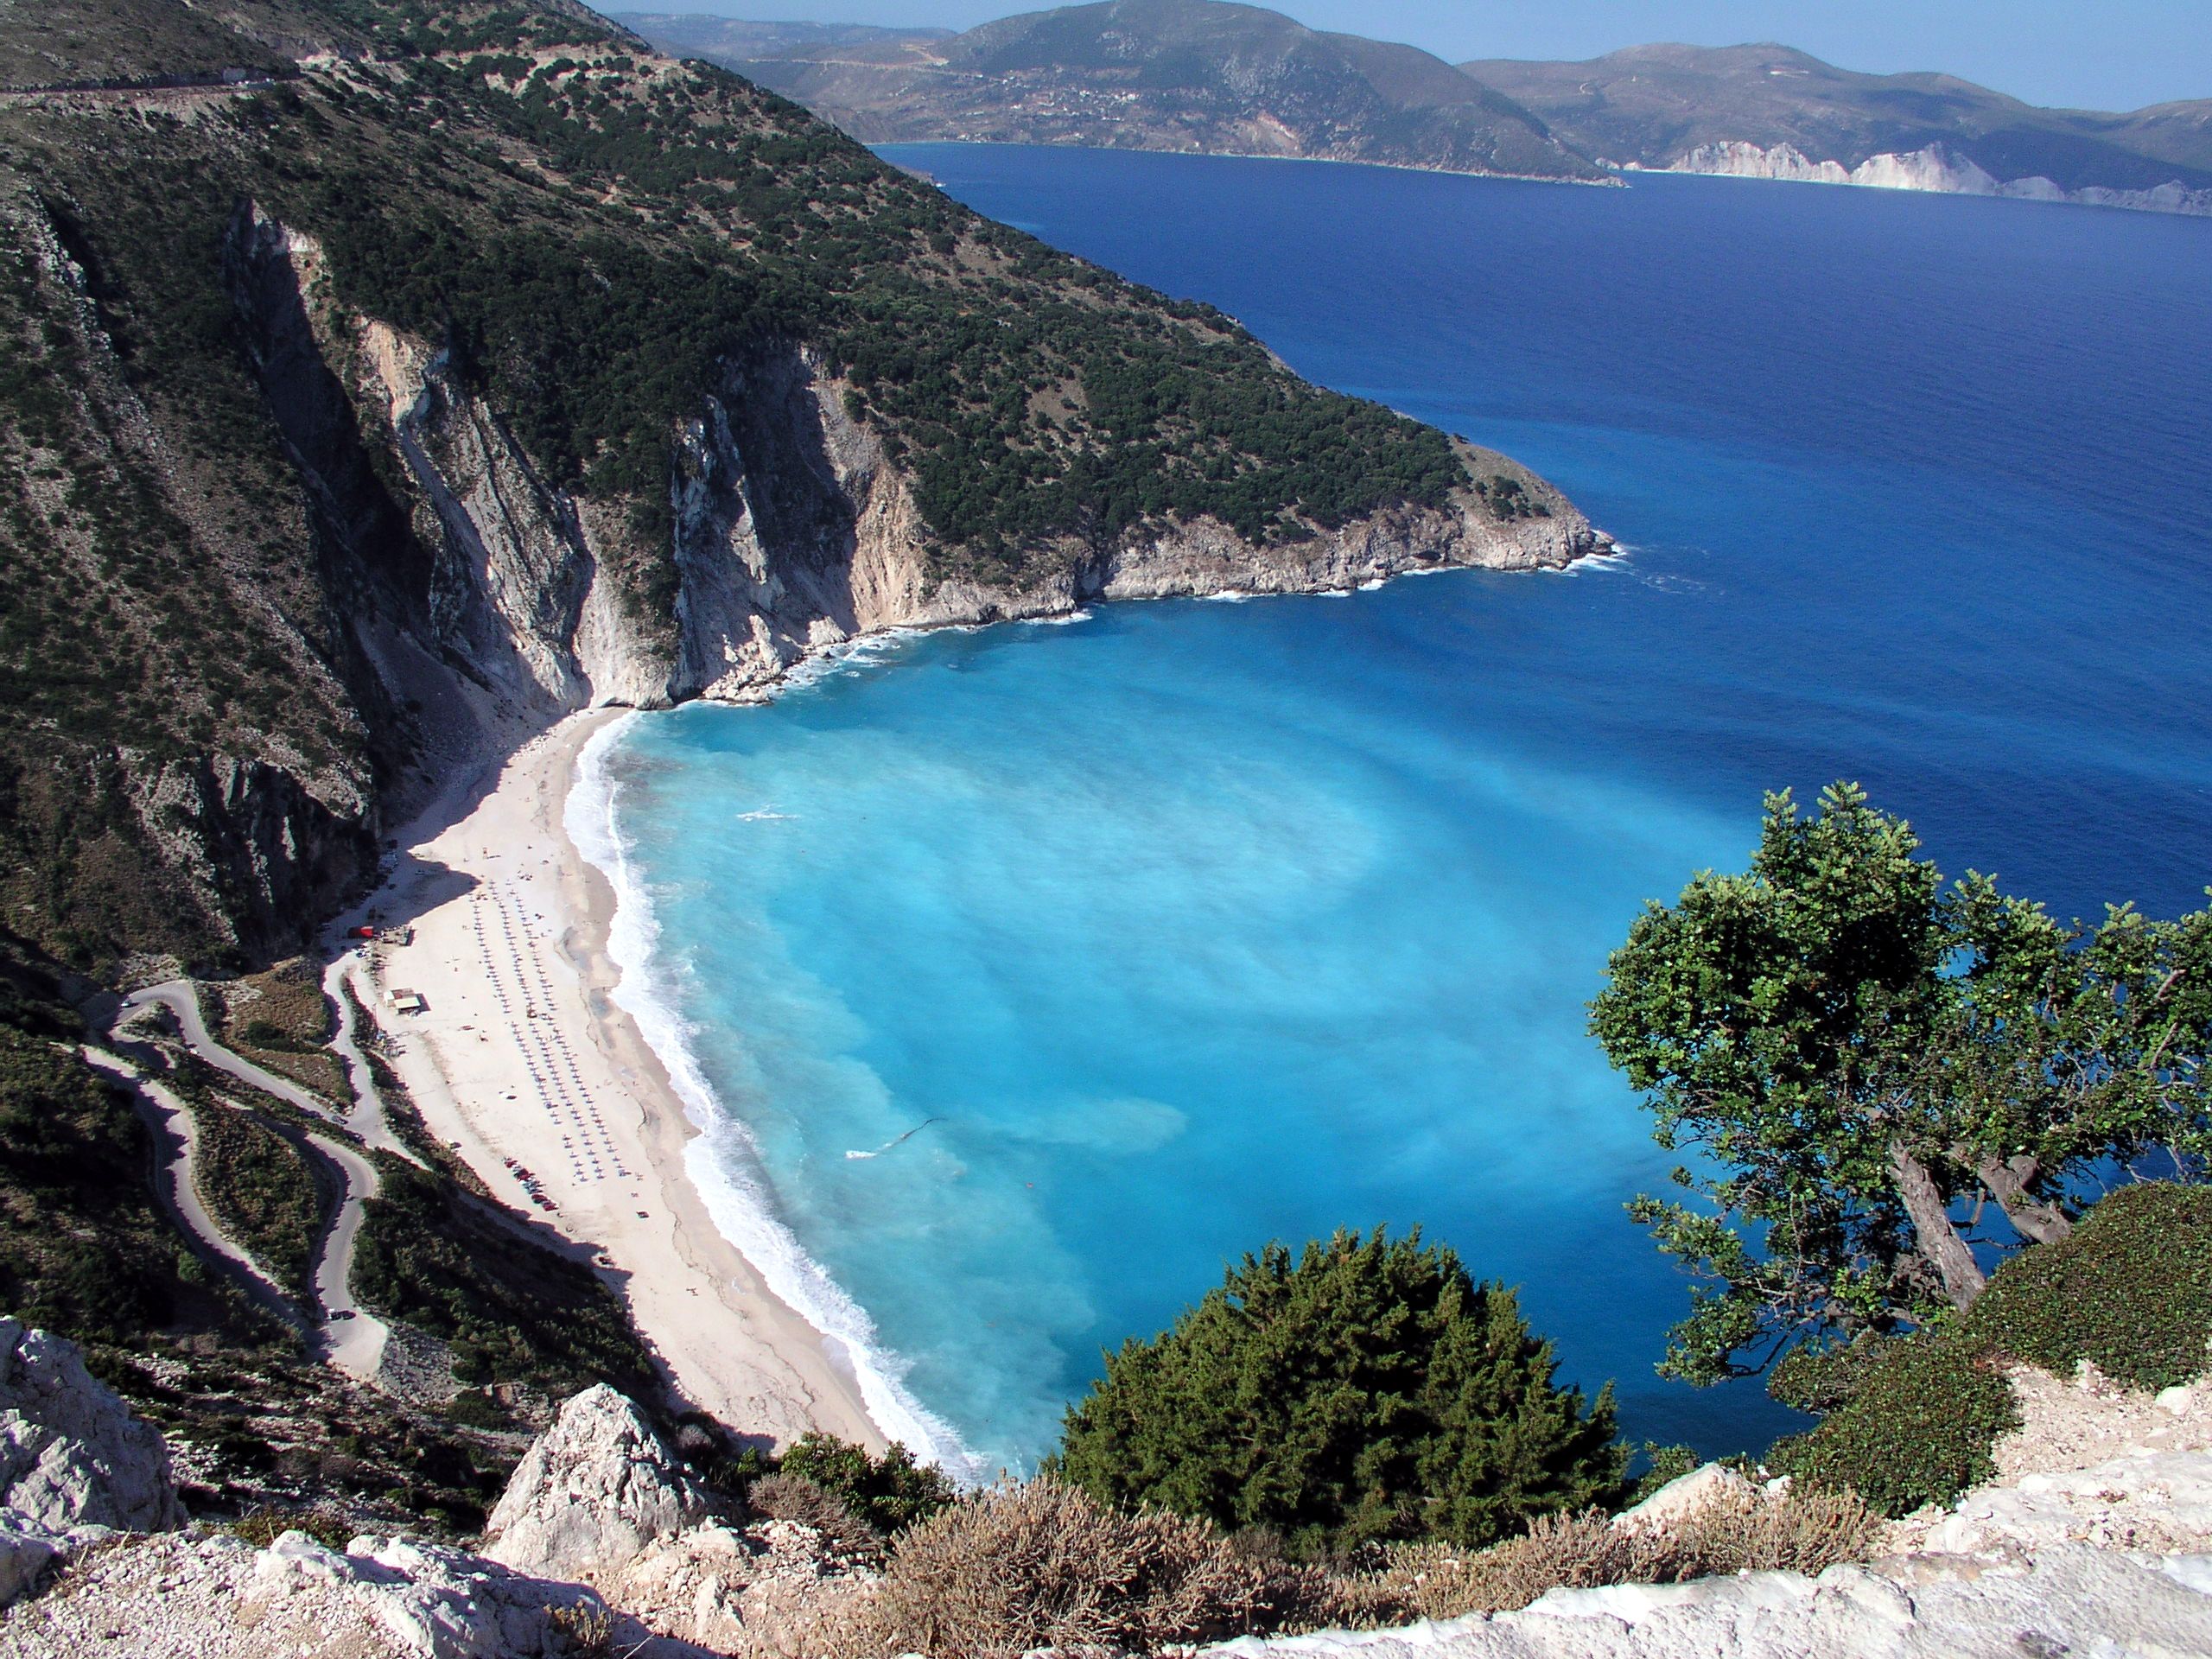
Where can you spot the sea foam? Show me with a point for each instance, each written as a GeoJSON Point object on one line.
{"type": "Point", "coordinates": [723, 1163]}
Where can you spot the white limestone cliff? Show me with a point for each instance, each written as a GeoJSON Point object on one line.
{"type": "Point", "coordinates": [72, 1456]}
{"type": "Point", "coordinates": [1933, 169]}
{"type": "Point", "coordinates": [592, 1493]}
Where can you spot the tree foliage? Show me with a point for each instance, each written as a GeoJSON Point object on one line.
{"type": "Point", "coordinates": [1366, 1388]}
{"type": "Point", "coordinates": [890, 1492]}
{"type": "Point", "coordinates": [1857, 1053]}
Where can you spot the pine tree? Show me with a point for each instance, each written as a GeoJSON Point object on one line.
{"type": "Point", "coordinates": [1368, 1390]}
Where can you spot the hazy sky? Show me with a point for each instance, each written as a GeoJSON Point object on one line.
{"type": "Point", "coordinates": [2115, 54]}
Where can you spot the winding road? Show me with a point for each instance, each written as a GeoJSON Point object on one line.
{"type": "Point", "coordinates": [348, 1336]}
{"type": "Point", "coordinates": [176, 1187]}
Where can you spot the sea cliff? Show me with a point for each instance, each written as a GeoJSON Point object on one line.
{"type": "Point", "coordinates": [1935, 168]}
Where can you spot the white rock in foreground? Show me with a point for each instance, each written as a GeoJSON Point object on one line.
{"type": "Point", "coordinates": [23, 1557]}
{"type": "Point", "coordinates": [215, 1597]}
{"type": "Point", "coordinates": [71, 1455]}
{"type": "Point", "coordinates": [2070, 1599]}
{"type": "Point", "coordinates": [592, 1493]}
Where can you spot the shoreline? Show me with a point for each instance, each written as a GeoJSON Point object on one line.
{"type": "Point", "coordinates": [781, 1357]}
{"type": "Point", "coordinates": [523, 1052]}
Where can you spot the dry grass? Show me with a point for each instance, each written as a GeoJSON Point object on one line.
{"type": "Point", "coordinates": [1042, 1564]}
{"type": "Point", "coordinates": [1803, 1531]}
{"type": "Point", "coordinates": [795, 1499]}
{"type": "Point", "coordinates": [279, 1021]}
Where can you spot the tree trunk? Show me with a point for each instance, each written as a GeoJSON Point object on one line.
{"type": "Point", "coordinates": [1939, 1240]}
{"type": "Point", "coordinates": [2007, 1180]}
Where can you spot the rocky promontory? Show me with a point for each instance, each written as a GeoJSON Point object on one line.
{"type": "Point", "coordinates": [2093, 1538]}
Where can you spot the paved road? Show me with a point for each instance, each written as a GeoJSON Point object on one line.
{"type": "Point", "coordinates": [355, 1344]}
{"type": "Point", "coordinates": [181, 999]}
{"type": "Point", "coordinates": [176, 1142]}
{"type": "Point", "coordinates": [368, 1118]}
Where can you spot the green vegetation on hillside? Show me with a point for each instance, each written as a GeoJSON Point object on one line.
{"type": "Point", "coordinates": [744, 220]}
{"type": "Point", "coordinates": [260, 1188]}
{"type": "Point", "coordinates": [278, 1020]}
{"type": "Point", "coordinates": [82, 1250]}
{"type": "Point", "coordinates": [86, 1251]}
{"type": "Point", "coordinates": [1366, 1389]}
{"type": "Point", "coordinates": [514, 1311]}
{"type": "Point", "coordinates": [1910, 1421]}
{"type": "Point", "coordinates": [599, 239]}
{"type": "Point", "coordinates": [1857, 1053]}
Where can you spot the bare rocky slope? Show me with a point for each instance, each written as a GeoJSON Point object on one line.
{"type": "Point", "coordinates": [388, 377]}
{"type": "Point", "coordinates": [2093, 1539]}
{"type": "Point", "coordinates": [1142, 74]}
{"type": "Point", "coordinates": [1768, 111]}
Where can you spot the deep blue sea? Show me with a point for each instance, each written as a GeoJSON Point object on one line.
{"type": "Point", "coordinates": [1187, 926]}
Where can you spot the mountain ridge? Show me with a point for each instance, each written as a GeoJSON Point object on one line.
{"type": "Point", "coordinates": [1770, 110]}
{"type": "Point", "coordinates": [1147, 74]}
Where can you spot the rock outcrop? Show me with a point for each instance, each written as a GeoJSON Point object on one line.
{"type": "Point", "coordinates": [604, 1541]}
{"type": "Point", "coordinates": [217, 1597]}
{"type": "Point", "coordinates": [591, 1493]}
{"type": "Point", "coordinates": [2067, 1600]}
{"type": "Point", "coordinates": [1936, 168]}
{"type": "Point", "coordinates": [72, 1456]}
{"type": "Point", "coordinates": [792, 529]}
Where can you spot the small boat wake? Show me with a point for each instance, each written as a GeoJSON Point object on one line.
{"type": "Point", "coordinates": [897, 1141]}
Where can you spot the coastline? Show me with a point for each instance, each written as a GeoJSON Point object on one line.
{"type": "Point", "coordinates": [522, 1052]}
{"type": "Point", "coordinates": [562, 1078]}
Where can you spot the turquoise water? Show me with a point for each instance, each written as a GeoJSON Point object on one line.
{"type": "Point", "coordinates": [1186, 926]}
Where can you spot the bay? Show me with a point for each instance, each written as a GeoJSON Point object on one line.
{"type": "Point", "coordinates": [1190, 926]}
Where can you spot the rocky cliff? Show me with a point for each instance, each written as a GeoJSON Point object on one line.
{"type": "Point", "coordinates": [1936, 168]}
{"type": "Point", "coordinates": [487, 366]}
{"type": "Point", "coordinates": [792, 529]}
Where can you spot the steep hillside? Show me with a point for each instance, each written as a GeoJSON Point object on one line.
{"type": "Point", "coordinates": [1768, 111]}
{"type": "Point", "coordinates": [386, 378]}
{"type": "Point", "coordinates": [1147, 74]}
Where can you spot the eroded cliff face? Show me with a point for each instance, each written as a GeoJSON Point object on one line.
{"type": "Point", "coordinates": [1936, 168]}
{"type": "Point", "coordinates": [394, 592]}
{"type": "Point", "coordinates": [792, 530]}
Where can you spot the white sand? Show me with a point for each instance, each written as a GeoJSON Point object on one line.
{"type": "Point", "coordinates": [522, 1054]}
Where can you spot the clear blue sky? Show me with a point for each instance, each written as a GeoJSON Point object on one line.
{"type": "Point", "coordinates": [2115, 55]}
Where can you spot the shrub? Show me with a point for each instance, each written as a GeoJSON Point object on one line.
{"type": "Point", "coordinates": [1043, 1565]}
{"type": "Point", "coordinates": [1806, 1529]}
{"type": "Point", "coordinates": [263, 1526]}
{"type": "Point", "coordinates": [886, 1493]}
{"type": "Point", "coordinates": [1822, 1380]}
{"type": "Point", "coordinates": [2131, 1290]}
{"type": "Point", "coordinates": [1371, 1389]}
{"type": "Point", "coordinates": [1917, 1417]}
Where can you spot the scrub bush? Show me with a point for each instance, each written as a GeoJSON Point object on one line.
{"type": "Point", "coordinates": [1806, 1529]}
{"type": "Point", "coordinates": [1367, 1390]}
{"type": "Point", "coordinates": [1043, 1565]}
{"type": "Point", "coordinates": [1917, 1418]}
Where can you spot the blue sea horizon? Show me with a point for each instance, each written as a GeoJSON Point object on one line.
{"type": "Point", "coordinates": [1031, 973]}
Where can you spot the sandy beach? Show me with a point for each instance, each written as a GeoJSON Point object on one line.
{"type": "Point", "coordinates": [521, 1058]}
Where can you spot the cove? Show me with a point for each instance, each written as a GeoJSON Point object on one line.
{"type": "Point", "coordinates": [1184, 926]}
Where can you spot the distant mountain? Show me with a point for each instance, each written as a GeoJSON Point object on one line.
{"type": "Point", "coordinates": [1771, 113]}
{"type": "Point", "coordinates": [1140, 74]}
{"type": "Point", "coordinates": [718, 38]}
